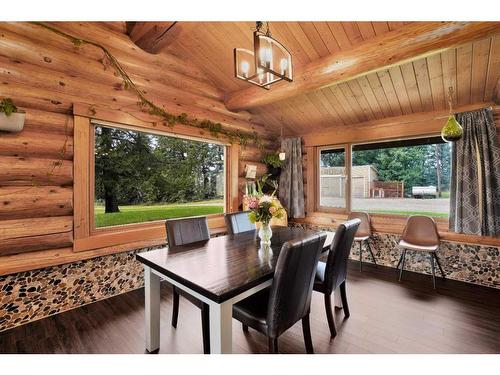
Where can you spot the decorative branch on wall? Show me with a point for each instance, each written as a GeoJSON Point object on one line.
{"type": "Point", "coordinates": [169, 119]}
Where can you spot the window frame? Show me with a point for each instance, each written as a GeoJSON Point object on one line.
{"type": "Point", "coordinates": [442, 222]}
{"type": "Point", "coordinates": [136, 235]}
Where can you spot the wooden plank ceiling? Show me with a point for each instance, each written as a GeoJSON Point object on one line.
{"type": "Point", "coordinates": [472, 70]}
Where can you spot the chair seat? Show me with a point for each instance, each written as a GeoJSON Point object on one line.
{"type": "Point", "coordinates": [252, 311]}
{"type": "Point", "coordinates": [359, 239]}
{"type": "Point", "coordinates": [406, 245]}
{"type": "Point", "coordinates": [320, 277]}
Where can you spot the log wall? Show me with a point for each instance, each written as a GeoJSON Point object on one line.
{"type": "Point", "coordinates": [46, 75]}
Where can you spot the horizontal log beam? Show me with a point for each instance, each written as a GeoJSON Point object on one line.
{"type": "Point", "coordinates": [27, 171]}
{"type": "Point", "coordinates": [393, 48]}
{"type": "Point", "coordinates": [155, 37]}
{"type": "Point", "coordinates": [24, 202]}
{"type": "Point", "coordinates": [417, 124]}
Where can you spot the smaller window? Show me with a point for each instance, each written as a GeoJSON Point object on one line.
{"type": "Point", "coordinates": [332, 178]}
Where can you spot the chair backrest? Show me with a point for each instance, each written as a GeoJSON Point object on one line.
{"type": "Point", "coordinates": [421, 230]}
{"type": "Point", "coordinates": [238, 222]}
{"type": "Point", "coordinates": [336, 264]}
{"type": "Point", "coordinates": [186, 231]}
{"type": "Point", "coordinates": [365, 228]}
{"type": "Point", "coordinates": [290, 295]}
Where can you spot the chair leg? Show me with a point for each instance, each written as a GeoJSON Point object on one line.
{"type": "Point", "coordinates": [175, 310]}
{"type": "Point", "coordinates": [306, 329]}
{"type": "Point", "coordinates": [402, 264]}
{"type": "Point", "coordinates": [205, 327]}
{"type": "Point", "coordinates": [371, 252]}
{"type": "Point", "coordinates": [439, 265]}
{"type": "Point", "coordinates": [329, 315]}
{"type": "Point", "coordinates": [273, 345]}
{"type": "Point", "coordinates": [431, 258]}
{"type": "Point", "coordinates": [400, 259]}
{"type": "Point", "coordinates": [360, 257]}
{"type": "Point", "coordinates": [245, 327]}
{"type": "Point", "coordinates": [343, 296]}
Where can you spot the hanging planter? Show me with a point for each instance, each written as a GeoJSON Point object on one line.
{"type": "Point", "coordinates": [11, 120]}
{"type": "Point", "coordinates": [452, 131]}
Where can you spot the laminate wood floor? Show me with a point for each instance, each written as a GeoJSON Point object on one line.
{"type": "Point", "coordinates": [386, 317]}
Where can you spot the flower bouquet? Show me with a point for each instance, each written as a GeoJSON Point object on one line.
{"type": "Point", "coordinates": [263, 208]}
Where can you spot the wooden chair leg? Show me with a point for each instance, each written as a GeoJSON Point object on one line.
{"type": "Point", "coordinates": [360, 257]}
{"type": "Point", "coordinates": [245, 327]}
{"type": "Point", "coordinates": [273, 345]}
{"type": "Point", "coordinates": [205, 327]}
{"type": "Point", "coordinates": [371, 252]}
{"type": "Point", "coordinates": [402, 265]}
{"type": "Point", "coordinates": [439, 265]}
{"type": "Point", "coordinates": [306, 329]}
{"type": "Point", "coordinates": [343, 296]}
{"type": "Point", "coordinates": [329, 315]}
{"type": "Point", "coordinates": [431, 258]}
{"type": "Point", "coordinates": [175, 310]}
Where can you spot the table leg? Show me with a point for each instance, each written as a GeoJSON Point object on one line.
{"type": "Point", "coordinates": [221, 326]}
{"type": "Point", "coordinates": [337, 299]}
{"type": "Point", "coordinates": [152, 308]}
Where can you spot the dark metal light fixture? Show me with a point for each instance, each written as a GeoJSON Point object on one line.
{"type": "Point", "coordinates": [268, 63]}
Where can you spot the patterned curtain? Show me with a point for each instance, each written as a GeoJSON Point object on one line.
{"type": "Point", "coordinates": [475, 178]}
{"type": "Point", "coordinates": [291, 187]}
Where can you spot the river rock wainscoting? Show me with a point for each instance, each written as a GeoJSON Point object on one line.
{"type": "Point", "coordinates": [469, 263]}
{"type": "Point", "coordinates": [32, 295]}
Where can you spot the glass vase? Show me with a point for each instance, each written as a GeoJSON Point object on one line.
{"type": "Point", "coordinates": [265, 234]}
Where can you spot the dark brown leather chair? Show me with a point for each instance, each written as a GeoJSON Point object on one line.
{"type": "Point", "coordinates": [275, 309]}
{"type": "Point", "coordinates": [363, 234]}
{"type": "Point", "coordinates": [182, 232]}
{"type": "Point", "coordinates": [332, 274]}
{"type": "Point", "coordinates": [238, 222]}
{"type": "Point", "coordinates": [420, 234]}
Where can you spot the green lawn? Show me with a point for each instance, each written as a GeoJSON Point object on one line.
{"type": "Point", "coordinates": [408, 213]}
{"type": "Point", "coordinates": [142, 213]}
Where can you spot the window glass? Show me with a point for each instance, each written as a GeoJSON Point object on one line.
{"type": "Point", "coordinates": [142, 177]}
{"type": "Point", "coordinates": [332, 178]}
{"type": "Point", "coordinates": [402, 177]}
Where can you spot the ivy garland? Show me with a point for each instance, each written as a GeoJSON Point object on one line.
{"type": "Point", "coordinates": [215, 128]}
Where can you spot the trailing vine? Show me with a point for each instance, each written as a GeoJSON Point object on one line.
{"type": "Point", "coordinates": [214, 128]}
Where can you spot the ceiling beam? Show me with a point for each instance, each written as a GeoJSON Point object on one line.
{"type": "Point", "coordinates": [393, 48]}
{"type": "Point", "coordinates": [412, 125]}
{"type": "Point", "coordinates": [154, 37]}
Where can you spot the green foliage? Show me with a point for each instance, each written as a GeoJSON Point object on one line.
{"type": "Point", "coordinates": [7, 106]}
{"type": "Point", "coordinates": [264, 182]}
{"type": "Point", "coordinates": [140, 168]}
{"type": "Point", "coordinates": [140, 213]}
{"type": "Point", "coordinates": [272, 160]}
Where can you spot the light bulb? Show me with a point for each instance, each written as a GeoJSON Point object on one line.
{"type": "Point", "coordinates": [244, 68]}
{"type": "Point", "coordinates": [266, 55]}
{"type": "Point", "coordinates": [261, 75]}
{"type": "Point", "coordinates": [282, 156]}
{"type": "Point", "coordinates": [283, 65]}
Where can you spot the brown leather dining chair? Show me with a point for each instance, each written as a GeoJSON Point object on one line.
{"type": "Point", "coordinates": [363, 234]}
{"type": "Point", "coordinates": [182, 232]}
{"type": "Point", "coordinates": [420, 234]}
{"type": "Point", "coordinates": [238, 222]}
{"type": "Point", "coordinates": [332, 274]}
{"type": "Point", "coordinates": [275, 309]}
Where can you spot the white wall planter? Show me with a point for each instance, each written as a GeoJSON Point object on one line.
{"type": "Point", "coordinates": [12, 123]}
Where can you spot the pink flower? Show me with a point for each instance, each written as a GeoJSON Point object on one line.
{"type": "Point", "coordinates": [253, 203]}
{"type": "Point", "coordinates": [272, 210]}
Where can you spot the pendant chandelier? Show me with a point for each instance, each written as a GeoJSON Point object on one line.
{"type": "Point", "coordinates": [268, 63]}
{"type": "Point", "coordinates": [452, 131]}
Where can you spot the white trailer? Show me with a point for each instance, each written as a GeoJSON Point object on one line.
{"type": "Point", "coordinates": [424, 191]}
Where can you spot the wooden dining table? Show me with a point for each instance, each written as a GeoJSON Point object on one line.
{"type": "Point", "coordinates": [220, 272]}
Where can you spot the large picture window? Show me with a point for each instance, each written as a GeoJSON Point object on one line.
{"type": "Point", "coordinates": [402, 177]}
{"type": "Point", "coordinates": [142, 177]}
